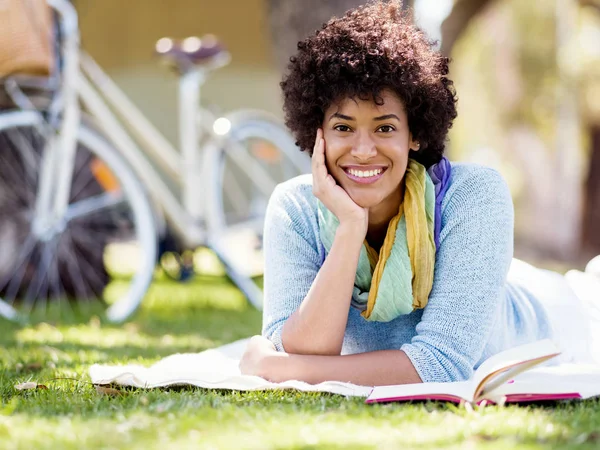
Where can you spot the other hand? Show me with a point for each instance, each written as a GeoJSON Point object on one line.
{"type": "Point", "coordinates": [256, 357]}
{"type": "Point", "coordinates": [332, 195]}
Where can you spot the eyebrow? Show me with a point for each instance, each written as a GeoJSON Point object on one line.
{"type": "Point", "coordinates": [341, 116]}
{"type": "Point", "coordinates": [379, 118]}
{"type": "Point", "coordinates": [387, 116]}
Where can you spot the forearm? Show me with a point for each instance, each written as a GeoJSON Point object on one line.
{"type": "Point", "coordinates": [317, 327]}
{"type": "Point", "coordinates": [378, 368]}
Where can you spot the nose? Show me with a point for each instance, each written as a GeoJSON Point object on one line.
{"type": "Point", "coordinates": [363, 148]}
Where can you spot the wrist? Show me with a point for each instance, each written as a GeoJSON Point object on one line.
{"type": "Point", "coordinates": [352, 231]}
{"type": "Point", "coordinates": [272, 367]}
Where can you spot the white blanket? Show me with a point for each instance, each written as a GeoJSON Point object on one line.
{"type": "Point", "coordinates": [215, 369]}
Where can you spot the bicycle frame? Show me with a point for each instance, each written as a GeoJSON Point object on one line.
{"type": "Point", "coordinates": [188, 216]}
{"type": "Point", "coordinates": [197, 216]}
{"type": "Point", "coordinates": [186, 222]}
{"type": "Point", "coordinates": [58, 157]}
{"type": "Point", "coordinates": [83, 78]}
{"type": "Point", "coordinates": [137, 140]}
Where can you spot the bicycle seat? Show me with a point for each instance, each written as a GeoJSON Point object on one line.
{"type": "Point", "coordinates": [193, 52]}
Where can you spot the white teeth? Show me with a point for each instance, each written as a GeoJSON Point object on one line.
{"type": "Point", "coordinates": [366, 173]}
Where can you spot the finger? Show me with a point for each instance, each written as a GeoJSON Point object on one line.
{"type": "Point", "coordinates": [331, 181]}
{"type": "Point", "coordinates": [318, 160]}
{"type": "Point", "coordinates": [318, 138]}
{"type": "Point", "coordinates": [321, 166]}
{"type": "Point", "coordinates": [320, 148]}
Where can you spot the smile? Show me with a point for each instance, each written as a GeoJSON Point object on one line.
{"type": "Point", "coordinates": [364, 176]}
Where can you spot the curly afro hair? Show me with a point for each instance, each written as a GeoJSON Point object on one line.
{"type": "Point", "coordinates": [371, 48]}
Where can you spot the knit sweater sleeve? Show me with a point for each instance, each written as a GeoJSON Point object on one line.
{"type": "Point", "coordinates": [476, 246]}
{"type": "Point", "coordinates": [292, 254]}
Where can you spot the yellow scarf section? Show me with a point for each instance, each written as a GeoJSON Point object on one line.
{"type": "Point", "coordinates": [419, 236]}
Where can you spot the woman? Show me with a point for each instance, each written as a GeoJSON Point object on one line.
{"type": "Point", "coordinates": [390, 265]}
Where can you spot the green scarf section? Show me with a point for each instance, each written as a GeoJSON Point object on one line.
{"type": "Point", "coordinates": [399, 278]}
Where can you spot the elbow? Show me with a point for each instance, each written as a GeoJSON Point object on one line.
{"type": "Point", "coordinates": [311, 350]}
{"type": "Point", "coordinates": [298, 343]}
{"type": "Point", "coordinates": [438, 365]}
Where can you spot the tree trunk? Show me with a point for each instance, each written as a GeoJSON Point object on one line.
{"type": "Point", "coordinates": [590, 236]}
{"type": "Point", "coordinates": [590, 242]}
{"type": "Point", "coordinates": [453, 26]}
{"type": "Point", "coordinates": [293, 20]}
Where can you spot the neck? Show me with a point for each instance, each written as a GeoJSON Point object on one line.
{"type": "Point", "coordinates": [380, 216]}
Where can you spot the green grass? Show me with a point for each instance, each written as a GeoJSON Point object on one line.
{"type": "Point", "coordinates": [209, 312]}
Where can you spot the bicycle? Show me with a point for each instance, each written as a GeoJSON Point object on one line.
{"type": "Point", "coordinates": [86, 182]}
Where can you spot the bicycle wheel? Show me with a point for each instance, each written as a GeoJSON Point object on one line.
{"type": "Point", "coordinates": [97, 259]}
{"type": "Point", "coordinates": [257, 154]}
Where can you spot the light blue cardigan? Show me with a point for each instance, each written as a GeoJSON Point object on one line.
{"type": "Point", "coordinates": [474, 310]}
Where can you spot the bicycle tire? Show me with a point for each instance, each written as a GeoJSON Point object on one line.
{"type": "Point", "coordinates": [235, 228]}
{"type": "Point", "coordinates": [280, 157]}
{"type": "Point", "coordinates": [69, 267]}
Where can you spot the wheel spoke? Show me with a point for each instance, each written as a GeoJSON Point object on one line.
{"type": "Point", "coordinates": [40, 277]}
{"type": "Point", "coordinates": [91, 271]}
{"type": "Point", "coordinates": [29, 158]}
{"type": "Point", "coordinates": [15, 279]}
{"type": "Point", "coordinates": [234, 192]}
{"type": "Point", "coordinates": [95, 284]}
{"type": "Point", "coordinates": [80, 177]}
{"type": "Point", "coordinates": [58, 293]}
{"type": "Point", "coordinates": [240, 156]}
{"type": "Point", "coordinates": [11, 234]}
{"type": "Point", "coordinates": [83, 178]}
{"type": "Point", "coordinates": [106, 205]}
{"type": "Point", "coordinates": [73, 267]}
{"type": "Point", "coordinates": [12, 182]}
{"type": "Point", "coordinates": [85, 237]}
{"type": "Point", "coordinates": [23, 173]}
{"type": "Point", "coordinates": [93, 204]}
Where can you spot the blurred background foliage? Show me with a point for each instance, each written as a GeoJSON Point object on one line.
{"type": "Point", "coordinates": [527, 76]}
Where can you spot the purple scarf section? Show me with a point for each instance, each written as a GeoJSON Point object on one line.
{"type": "Point", "coordinates": [440, 175]}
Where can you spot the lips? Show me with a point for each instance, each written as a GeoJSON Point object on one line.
{"type": "Point", "coordinates": [364, 174]}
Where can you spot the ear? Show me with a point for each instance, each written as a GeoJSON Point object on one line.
{"type": "Point", "coordinates": [413, 144]}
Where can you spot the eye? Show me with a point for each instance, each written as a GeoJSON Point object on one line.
{"type": "Point", "coordinates": [342, 128]}
{"type": "Point", "coordinates": [386, 128]}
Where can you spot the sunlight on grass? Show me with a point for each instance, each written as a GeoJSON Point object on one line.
{"type": "Point", "coordinates": [123, 260]}
{"type": "Point", "coordinates": [288, 420]}
{"type": "Point", "coordinates": [197, 294]}
{"type": "Point", "coordinates": [101, 338]}
{"type": "Point", "coordinates": [206, 312]}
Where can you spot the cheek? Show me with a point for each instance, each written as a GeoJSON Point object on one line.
{"type": "Point", "coordinates": [332, 153]}
{"type": "Point", "coordinates": [400, 158]}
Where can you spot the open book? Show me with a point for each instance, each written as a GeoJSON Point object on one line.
{"type": "Point", "coordinates": [506, 377]}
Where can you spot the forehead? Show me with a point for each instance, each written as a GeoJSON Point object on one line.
{"type": "Point", "coordinates": [387, 100]}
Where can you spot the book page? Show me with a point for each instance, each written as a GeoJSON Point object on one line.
{"type": "Point", "coordinates": [548, 383]}
{"type": "Point", "coordinates": [505, 365]}
{"type": "Point", "coordinates": [453, 392]}
{"type": "Point", "coordinates": [489, 374]}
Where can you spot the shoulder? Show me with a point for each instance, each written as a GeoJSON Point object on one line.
{"type": "Point", "coordinates": [295, 193]}
{"type": "Point", "coordinates": [294, 203]}
{"type": "Point", "coordinates": [300, 185]}
{"type": "Point", "coordinates": [477, 203]}
{"type": "Point", "coordinates": [475, 186]}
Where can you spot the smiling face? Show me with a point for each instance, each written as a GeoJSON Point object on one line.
{"type": "Point", "coordinates": [366, 150]}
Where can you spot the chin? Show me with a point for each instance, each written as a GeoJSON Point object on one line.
{"type": "Point", "coordinates": [365, 201]}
